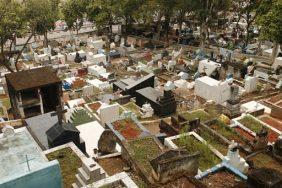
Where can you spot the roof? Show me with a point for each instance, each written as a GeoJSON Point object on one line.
{"type": "Point", "coordinates": [32, 78]}
{"type": "Point", "coordinates": [129, 83]}
{"type": "Point", "coordinates": [57, 130]}
{"type": "Point", "coordinates": [38, 126]}
{"type": "Point", "coordinates": [143, 79]}
{"type": "Point", "coordinates": [209, 81]}
{"type": "Point", "coordinates": [150, 93]}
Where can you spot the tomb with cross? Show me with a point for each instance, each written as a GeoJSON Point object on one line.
{"type": "Point", "coordinates": [27, 161]}
{"type": "Point", "coordinates": [63, 132]}
{"type": "Point", "coordinates": [60, 113]}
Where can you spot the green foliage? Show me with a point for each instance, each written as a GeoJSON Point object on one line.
{"type": "Point", "coordinates": [142, 153]}
{"type": "Point", "coordinates": [226, 131]}
{"type": "Point", "coordinates": [12, 25]}
{"type": "Point", "coordinates": [41, 15]}
{"type": "Point", "coordinates": [74, 11]}
{"type": "Point", "coordinates": [270, 21]}
{"type": "Point", "coordinates": [207, 158]}
{"type": "Point", "coordinates": [12, 22]}
{"type": "Point", "coordinates": [102, 12]}
{"type": "Point", "coordinates": [202, 115]}
{"type": "Point", "coordinates": [69, 163]}
{"type": "Point", "coordinates": [251, 123]}
{"type": "Point", "coordinates": [213, 141]}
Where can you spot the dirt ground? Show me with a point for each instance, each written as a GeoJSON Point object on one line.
{"type": "Point", "coordinates": [112, 165]}
{"type": "Point", "coordinates": [153, 127]}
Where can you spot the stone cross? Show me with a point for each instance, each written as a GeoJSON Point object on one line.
{"type": "Point", "coordinates": [59, 112]}
{"type": "Point", "coordinates": [27, 162]}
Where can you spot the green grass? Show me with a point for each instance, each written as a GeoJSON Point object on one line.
{"type": "Point", "coordinates": [81, 117]}
{"type": "Point", "coordinates": [251, 123]}
{"type": "Point", "coordinates": [213, 141]}
{"type": "Point", "coordinates": [6, 103]}
{"type": "Point", "coordinates": [131, 106]}
{"type": "Point", "coordinates": [202, 115]}
{"type": "Point", "coordinates": [263, 160]}
{"type": "Point", "coordinates": [207, 158]}
{"type": "Point", "coordinates": [120, 110]}
{"type": "Point", "coordinates": [69, 163]}
{"type": "Point", "coordinates": [143, 150]}
{"type": "Point", "coordinates": [226, 131]}
{"type": "Point", "coordinates": [1, 111]}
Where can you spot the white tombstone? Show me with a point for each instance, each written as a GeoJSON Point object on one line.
{"type": "Point", "coordinates": [183, 75]}
{"type": "Point", "coordinates": [261, 74]}
{"type": "Point", "coordinates": [169, 86]}
{"type": "Point", "coordinates": [88, 91]}
{"type": "Point", "coordinates": [160, 64]}
{"type": "Point", "coordinates": [251, 84]}
{"type": "Point", "coordinates": [181, 84]}
{"type": "Point", "coordinates": [277, 63]}
{"type": "Point", "coordinates": [96, 70]}
{"type": "Point", "coordinates": [2, 91]}
{"type": "Point", "coordinates": [61, 58]}
{"type": "Point", "coordinates": [8, 131]}
{"type": "Point", "coordinates": [171, 64]}
{"type": "Point", "coordinates": [108, 113]}
{"type": "Point", "coordinates": [208, 67]}
{"type": "Point", "coordinates": [146, 111]}
{"type": "Point", "coordinates": [112, 45]}
{"type": "Point", "coordinates": [157, 57]}
{"type": "Point", "coordinates": [234, 159]}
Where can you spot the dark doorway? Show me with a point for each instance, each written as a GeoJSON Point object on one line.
{"type": "Point", "coordinates": [50, 97]}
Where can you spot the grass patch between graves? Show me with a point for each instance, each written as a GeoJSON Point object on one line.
{"type": "Point", "coordinates": [251, 123]}
{"type": "Point", "coordinates": [143, 150]}
{"type": "Point", "coordinates": [69, 163]}
{"type": "Point", "coordinates": [202, 115]}
{"type": "Point", "coordinates": [207, 158]}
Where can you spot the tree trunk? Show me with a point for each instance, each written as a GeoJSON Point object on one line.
{"type": "Point", "coordinates": [248, 35]}
{"type": "Point", "coordinates": [45, 43]}
{"type": "Point", "coordinates": [202, 35]}
{"type": "Point", "coordinates": [274, 52]}
{"type": "Point", "coordinates": [3, 58]}
{"type": "Point", "coordinates": [17, 58]}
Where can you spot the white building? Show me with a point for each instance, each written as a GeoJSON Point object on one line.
{"type": "Point", "coordinates": [96, 70]}
{"type": "Point", "coordinates": [211, 89]}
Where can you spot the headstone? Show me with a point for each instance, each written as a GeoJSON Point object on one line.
{"type": "Point", "coordinates": [88, 91]}
{"type": "Point", "coordinates": [8, 131]}
{"type": "Point", "coordinates": [251, 84]}
{"type": "Point", "coordinates": [234, 159]}
{"type": "Point", "coordinates": [147, 111]}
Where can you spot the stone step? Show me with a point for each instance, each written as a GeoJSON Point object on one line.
{"type": "Point", "coordinates": [74, 185]}
{"type": "Point", "coordinates": [79, 181]}
{"type": "Point", "coordinates": [89, 165]}
{"type": "Point", "coordinates": [84, 176]}
{"type": "Point", "coordinates": [103, 175]}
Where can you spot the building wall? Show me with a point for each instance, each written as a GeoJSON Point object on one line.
{"type": "Point", "coordinates": [46, 177]}
{"type": "Point", "coordinates": [159, 110]}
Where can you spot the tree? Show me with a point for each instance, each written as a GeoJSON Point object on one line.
{"type": "Point", "coordinates": [126, 11]}
{"type": "Point", "coordinates": [167, 7]}
{"type": "Point", "coordinates": [103, 14]}
{"type": "Point", "coordinates": [12, 25]}
{"type": "Point", "coordinates": [43, 14]}
{"type": "Point", "coordinates": [249, 14]}
{"type": "Point", "coordinates": [74, 11]}
{"type": "Point", "coordinates": [206, 11]}
{"type": "Point", "coordinates": [182, 8]}
{"type": "Point", "coordinates": [271, 23]}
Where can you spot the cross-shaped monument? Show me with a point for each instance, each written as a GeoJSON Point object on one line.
{"type": "Point", "coordinates": [59, 112]}
{"type": "Point", "coordinates": [27, 162]}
